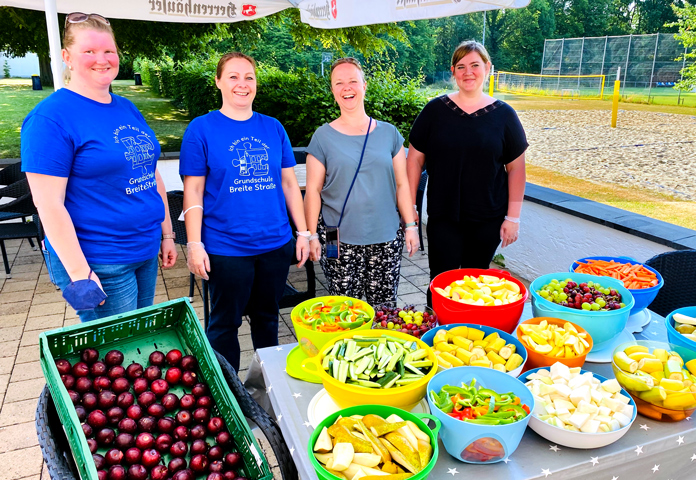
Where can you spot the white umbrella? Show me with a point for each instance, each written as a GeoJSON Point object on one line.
{"type": "Point", "coordinates": [317, 13]}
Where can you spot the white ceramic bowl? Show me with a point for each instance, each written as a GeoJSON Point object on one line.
{"type": "Point", "coordinates": [567, 438]}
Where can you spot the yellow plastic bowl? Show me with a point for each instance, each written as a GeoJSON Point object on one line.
{"type": "Point", "coordinates": [312, 341]}
{"type": "Point", "coordinates": [349, 395]}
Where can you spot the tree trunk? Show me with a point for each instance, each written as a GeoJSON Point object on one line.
{"type": "Point", "coordinates": [45, 71]}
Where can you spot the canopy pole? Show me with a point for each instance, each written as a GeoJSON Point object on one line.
{"type": "Point", "coordinates": [54, 43]}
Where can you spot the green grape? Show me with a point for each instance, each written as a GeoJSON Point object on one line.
{"type": "Point", "coordinates": [601, 302]}
{"type": "Point", "coordinates": [594, 306]}
{"type": "Point", "coordinates": [586, 306]}
{"type": "Point", "coordinates": [553, 280]}
{"type": "Point", "coordinates": [564, 284]}
{"type": "Point", "coordinates": [592, 284]}
{"type": "Point", "coordinates": [562, 296]}
{"type": "Point", "coordinates": [622, 305]}
{"type": "Point", "coordinates": [543, 293]}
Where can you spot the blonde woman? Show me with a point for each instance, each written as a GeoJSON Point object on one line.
{"type": "Point", "coordinates": [356, 187]}
{"type": "Point", "coordinates": [91, 162]}
{"type": "Point", "coordinates": [473, 147]}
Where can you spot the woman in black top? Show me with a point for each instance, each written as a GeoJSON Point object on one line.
{"type": "Point", "coordinates": [472, 146]}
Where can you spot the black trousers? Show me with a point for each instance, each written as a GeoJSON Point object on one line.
{"type": "Point", "coordinates": [254, 284]}
{"type": "Point", "coordinates": [462, 244]}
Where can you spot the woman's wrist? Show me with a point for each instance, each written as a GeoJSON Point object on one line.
{"type": "Point", "coordinates": [512, 219]}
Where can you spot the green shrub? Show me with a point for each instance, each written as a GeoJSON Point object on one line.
{"type": "Point", "coordinates": [300, 100]}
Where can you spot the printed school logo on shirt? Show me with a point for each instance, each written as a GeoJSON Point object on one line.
{"type": "Point", "coordinates": [139, 153]}
{"type": "Point", "coordinates": [252, 161]}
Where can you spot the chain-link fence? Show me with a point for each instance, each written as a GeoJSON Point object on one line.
{"type": "Point", "coordinates": [650, 64]}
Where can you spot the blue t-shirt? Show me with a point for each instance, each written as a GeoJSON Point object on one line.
{"type": "Point", "coordinates": [109, 155]}
{"type": "Point", "coordinates": [244, 210]}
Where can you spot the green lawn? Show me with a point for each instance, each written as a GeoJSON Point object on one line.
{"type": "Point", "coordinates": [17, 99]}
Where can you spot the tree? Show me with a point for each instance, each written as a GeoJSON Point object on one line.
{"type": "Point", "coordinates": [654, 14]}
{"type": "Point", "coordinates": [686, 23]}
{"type": "Point", "coordinates": [532, 25]}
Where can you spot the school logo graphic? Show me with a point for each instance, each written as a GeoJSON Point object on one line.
{"type": "Point", "coordinates": [249, 10]}
{"type": "Point", "coordinates": [139, 152]}
{"type": "Point", "coordinates": [251, 159]}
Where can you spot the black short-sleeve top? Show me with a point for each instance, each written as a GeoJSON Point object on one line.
{"type": "Point", "coordinates": [465, 156]}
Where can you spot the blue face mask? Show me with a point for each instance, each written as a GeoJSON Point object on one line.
{"type": "Point", "coordinates": [84, 294]}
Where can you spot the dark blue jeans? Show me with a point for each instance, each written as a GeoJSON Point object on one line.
{"type": "Point", "coordinates": [250, 285]}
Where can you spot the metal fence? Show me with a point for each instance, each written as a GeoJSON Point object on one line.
{"type": "Point", "coordinates": [650, 64]}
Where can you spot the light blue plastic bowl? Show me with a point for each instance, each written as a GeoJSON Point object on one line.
{"type": "Point", "coordinates": [519, 348]}
{"type": "Point", "coordinates": [642, 296]}
{"type": "Point", "coordinates": [603, 326]}
{"type": "Point", "coordinates": [675, 337]}
{"type": "Point", "coordinates": [457, 435]}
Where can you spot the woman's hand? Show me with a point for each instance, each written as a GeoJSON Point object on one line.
{"type": "Point", "coordinates": [302, 250]}
{"type": "Point", "coordinates": [168, 253]}
{"type": "Point", "coordinates": [411, 239]}
{"type": "Point", "coordinates": [509, 232]}
{"type": "Point", "coordinates": [314, 250]}
{"type": "Point", "coordinates": [197, 260]}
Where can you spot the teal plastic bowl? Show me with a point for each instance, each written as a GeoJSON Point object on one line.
{"type": "Point", "coordinates": [675, 337]}
{"type": "Point", "coordinates": [603, 326]}
{"type": "Point", "coordinates": [458, 436]}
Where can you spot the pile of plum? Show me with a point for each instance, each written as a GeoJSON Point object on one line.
{"type": "Point", "coordinates": [131, 417]}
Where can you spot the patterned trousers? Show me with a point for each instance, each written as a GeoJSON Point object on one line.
{"type": "Point", "coordinates": [363, 270]}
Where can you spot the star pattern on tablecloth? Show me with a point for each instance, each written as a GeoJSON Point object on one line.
{"type": "Point", "coordinates": [452, 471]}
{"type": "Point", "coordinates": [654, 333]}
{"type": "Point", "coordinates": [297, 394]}
{"type": "Point", "coordinates": [639, 449]}
{"type": "Point", "coordinates": [262, 362]}
{"type": "Point", "coordinates": [688, 419]}
{"type": "Point", "coordinates": [680, 440]}
{"type": "Point", "coordinates": [655, 468]}
{"type": "Point", "coordinates": [644, 427]}
{"type": "Point", "coordinates": [279, 418]}
{"type": "Point", "coordinates": [506, 460]}
{"type": "Point", "coordinates": [555, 448]}
{"type": "Point", "coordinates": [307, 424]}
{"type": "Point", "coordinates": [292, 450]}
{"type": "Point", "coordinates": [545, 472]}
{"type": "Point", "coordinates": [269, 388]}
{"type": "Point", "coordinates": [693, 457]}
{"type": "Point", "coordinates": [279, 349]}
{"type": "Point", "coordinates": [614, 478]}
{"type": "Point", "coordinates": [594, 460]}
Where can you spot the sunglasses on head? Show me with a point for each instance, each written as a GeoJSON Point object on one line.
{"type": "Point", "coordinates": [79, 17]}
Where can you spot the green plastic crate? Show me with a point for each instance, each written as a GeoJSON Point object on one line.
{"type": "Point", "coordinates": [169, 325]}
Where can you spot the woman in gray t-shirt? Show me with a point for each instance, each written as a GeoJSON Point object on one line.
{"type": "Point", "coordinates": [371, 238]}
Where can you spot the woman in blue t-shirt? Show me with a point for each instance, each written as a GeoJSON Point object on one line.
{"type": "Point", "coordinates": [239, 186]}
{"type": "Point", "coordinates": [91, 162]}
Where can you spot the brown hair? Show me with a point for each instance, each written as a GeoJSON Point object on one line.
{"type": "Point", "coordinates": [465, 48]}
{"type": "Point", "coordinates": [229, 56]}
{"type": "Point", "coordinates": [351, 61]}
{"type": "Point", "coordinates": [89, 24]}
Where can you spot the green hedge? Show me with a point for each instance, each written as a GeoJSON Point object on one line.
{"type": "Point", "coordinates": [300, 100]}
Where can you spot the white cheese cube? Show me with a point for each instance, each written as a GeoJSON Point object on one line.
{"type": "Point", "coordinates": [605, 428]}
{"type": "Point", "coordinates": [578, 419]}
{"type": "Point", "coordinates": [544, 373]}
{"type": "Point", "coordinates": [559, 370]}
{"type": "Point", "coordinates": [621, 398]}
{"type": "Point", "coordinates": [565, 418]}
{"type": "Point", "coordinates": [622, 419]}
{"type": "Point", "coordinates": [614, 424]}
{"type": "Point", "coordinates": [575, 371]}
{"type": "Point", "coordinates": [596, 396]}
{"type": "Point", "coordinates": [604, 411]}
{"type": "Point", "coordinates": [563, 405]}
{"type": "Point", "coordinates": [612, 404]}
{"type": "Point", "coordinates": [578, 382]}
{"type": "Point", "coordinates": [534, 376]}
{"type": "Point", "coordinates": [560, 381]}
{"type": "Point", "coordinates": [591, 426]}
{"type": "Point", "coordinates": [603, 418]}
{"type": "Point", "coordinates": [611, 386]}
{"type": "Point", "coordinates": [587, 407]}
{"type": "Point", "coordinates": [539, 408]}
{"type": "Point", "coordinates": [563, 390]}
{"type": "Point", "coordinates": [580, 394]}
{"type": "Point", "coordinates": [628, 411]}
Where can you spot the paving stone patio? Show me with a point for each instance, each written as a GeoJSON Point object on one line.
{"type": "Point", "coordinates": [30, 304]}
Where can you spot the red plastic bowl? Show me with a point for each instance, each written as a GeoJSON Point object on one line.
{"type": "Point", "coordinates": [503, 317]}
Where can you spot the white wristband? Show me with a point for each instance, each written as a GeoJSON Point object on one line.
{"type": "Point", "coordinates": [314, 236]}
{"type": "Point", "coordinates": [411, 228]}
{"type": "Point", "coordinates": [512, 219]}
{"type": "Point", "coordinates": [305, 234]}
{"type": "Point", "coordinates": [191, 208]}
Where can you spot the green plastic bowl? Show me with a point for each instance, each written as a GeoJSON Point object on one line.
{"type": "Point", "coordinates": [383, 411]}
{"type": "Point", "coordinates": [310, 340]}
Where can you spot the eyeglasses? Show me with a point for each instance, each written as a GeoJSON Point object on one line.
{"type": "Point", "coordinates": [79, 17]}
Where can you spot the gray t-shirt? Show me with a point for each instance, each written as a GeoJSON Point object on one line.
{"type": "Point", "coordinates": [371, 214]}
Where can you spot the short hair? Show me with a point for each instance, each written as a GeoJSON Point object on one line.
{"type": "Point", "coordinates": [465, 48]}
{"type": "Point", "coordinates": [89, 24]}
{"type": "Point", "coordinates": [229, 56]}
{"type": "Point", "coordinates": [350, 60]}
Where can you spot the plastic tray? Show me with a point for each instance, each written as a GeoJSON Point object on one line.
{"type": "Point", "coordinates": [163, 327]}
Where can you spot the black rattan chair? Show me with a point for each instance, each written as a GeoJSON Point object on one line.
{"type": "Point", "coordinates": [419, 205]}
{"type": "Point", "coordinates": [678, 269]}
{"type": "Point", "coordinates": [24, 207]}
{"type": "Point", "coordinates": [175, 199]}
{"type": "Point", "coordinates": [12, 174]}
{"type": "Point", "coordinates": [61, 465]}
